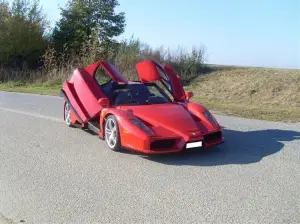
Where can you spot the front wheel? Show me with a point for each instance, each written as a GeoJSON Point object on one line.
{"type": "Point", "coordinates": [112, 135]}
{"type": "Point", "coordinates": [67, 114]}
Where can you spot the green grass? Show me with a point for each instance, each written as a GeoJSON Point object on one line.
{"type": "Point", "coordinates": [42, 89]}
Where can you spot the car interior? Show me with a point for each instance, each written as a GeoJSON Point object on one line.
{"type": "Point", "coordinates": [134, 93]}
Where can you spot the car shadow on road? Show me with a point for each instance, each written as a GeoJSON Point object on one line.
{"type": "Point", "coordinates": [239, 148]}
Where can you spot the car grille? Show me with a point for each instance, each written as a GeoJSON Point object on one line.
{"type": "Point", "coordinates": [162, 144]}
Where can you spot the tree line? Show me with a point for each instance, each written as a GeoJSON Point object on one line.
{"type": "Point", "coordinates": [86, 32]}
{"type": "Point", "coordinates": [25, 33]}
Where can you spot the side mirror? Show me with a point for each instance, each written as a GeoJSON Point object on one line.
{"type": "Point", "coordinates": [104, 102]}
{"type": "Point", "coordinates": [189, 95]}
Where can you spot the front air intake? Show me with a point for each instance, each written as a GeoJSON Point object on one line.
{"type": "Point", "coordinates": [216, 136]}
{"type": "Point", "coordinates": [162, 144]}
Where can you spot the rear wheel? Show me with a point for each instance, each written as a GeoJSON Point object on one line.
{"type": "Point", "coordinates": [67, 114]}
{"type": "Point", "coordinates": [112, 135]}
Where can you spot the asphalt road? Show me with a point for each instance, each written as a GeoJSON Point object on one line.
{"type": "Point", "coordinates": [50, 173]}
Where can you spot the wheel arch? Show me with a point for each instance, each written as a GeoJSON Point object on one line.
{"type": "Point", "coordinates": [104, 120]}
{"type": "Point", "coordinates": [120, 115]}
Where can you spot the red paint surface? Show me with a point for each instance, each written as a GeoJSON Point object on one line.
{"type": "Point", "coordinates": [180, 120]}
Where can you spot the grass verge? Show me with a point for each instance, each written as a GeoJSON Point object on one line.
{"type": "Point", "coordinates": [270, 113]}
{"type": "Point", "coordinates": [42, 89]}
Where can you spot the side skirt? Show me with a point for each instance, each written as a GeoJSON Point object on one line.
{"type": "Point", "coordinates": [93, 126]}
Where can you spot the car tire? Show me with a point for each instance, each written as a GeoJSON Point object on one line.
{"type": "Point", "coordinates": [112, 133]}
{"type": "Point", "coordinates": [67, 114]}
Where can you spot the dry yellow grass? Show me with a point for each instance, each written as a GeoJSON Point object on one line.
{"type": "Point", "coordinates": [263, 93]}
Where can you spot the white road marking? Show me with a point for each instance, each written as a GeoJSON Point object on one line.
{"type": "Point", "coordinates": [32, 114]}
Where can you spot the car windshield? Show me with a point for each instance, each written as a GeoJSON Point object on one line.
{"type": "Point", "coordinates": [139, 94]}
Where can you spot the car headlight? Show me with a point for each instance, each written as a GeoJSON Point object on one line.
{"type": "Point", "coordinates": [141, 125]}
{"type": "Point", "coordinates": [210, 117]}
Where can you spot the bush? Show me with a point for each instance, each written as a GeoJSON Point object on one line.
{"type": "Point", "coordinates": [188, 64]}
{"type": "Point", "coordinates": [124, 55]}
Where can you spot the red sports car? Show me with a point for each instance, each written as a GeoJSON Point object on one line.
{"type": "Point", "coordinates": [153, 115]}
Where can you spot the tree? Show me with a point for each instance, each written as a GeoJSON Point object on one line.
{"type": "Point", "coordinates": [4, 18]}
{"type": "Point", "coordinates": [22, 28]}
{"type": "Point", "coordinates": [81, 19]}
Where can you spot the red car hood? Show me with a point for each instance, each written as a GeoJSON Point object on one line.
{"type": "Point", "coordinates": [169, 116]}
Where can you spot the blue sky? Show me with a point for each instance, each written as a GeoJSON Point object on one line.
{"type": "Point", "coordinates": [236, 32]}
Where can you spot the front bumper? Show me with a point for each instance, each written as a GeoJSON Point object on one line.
{"type": "Point", "coordinates": [173, 145]}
